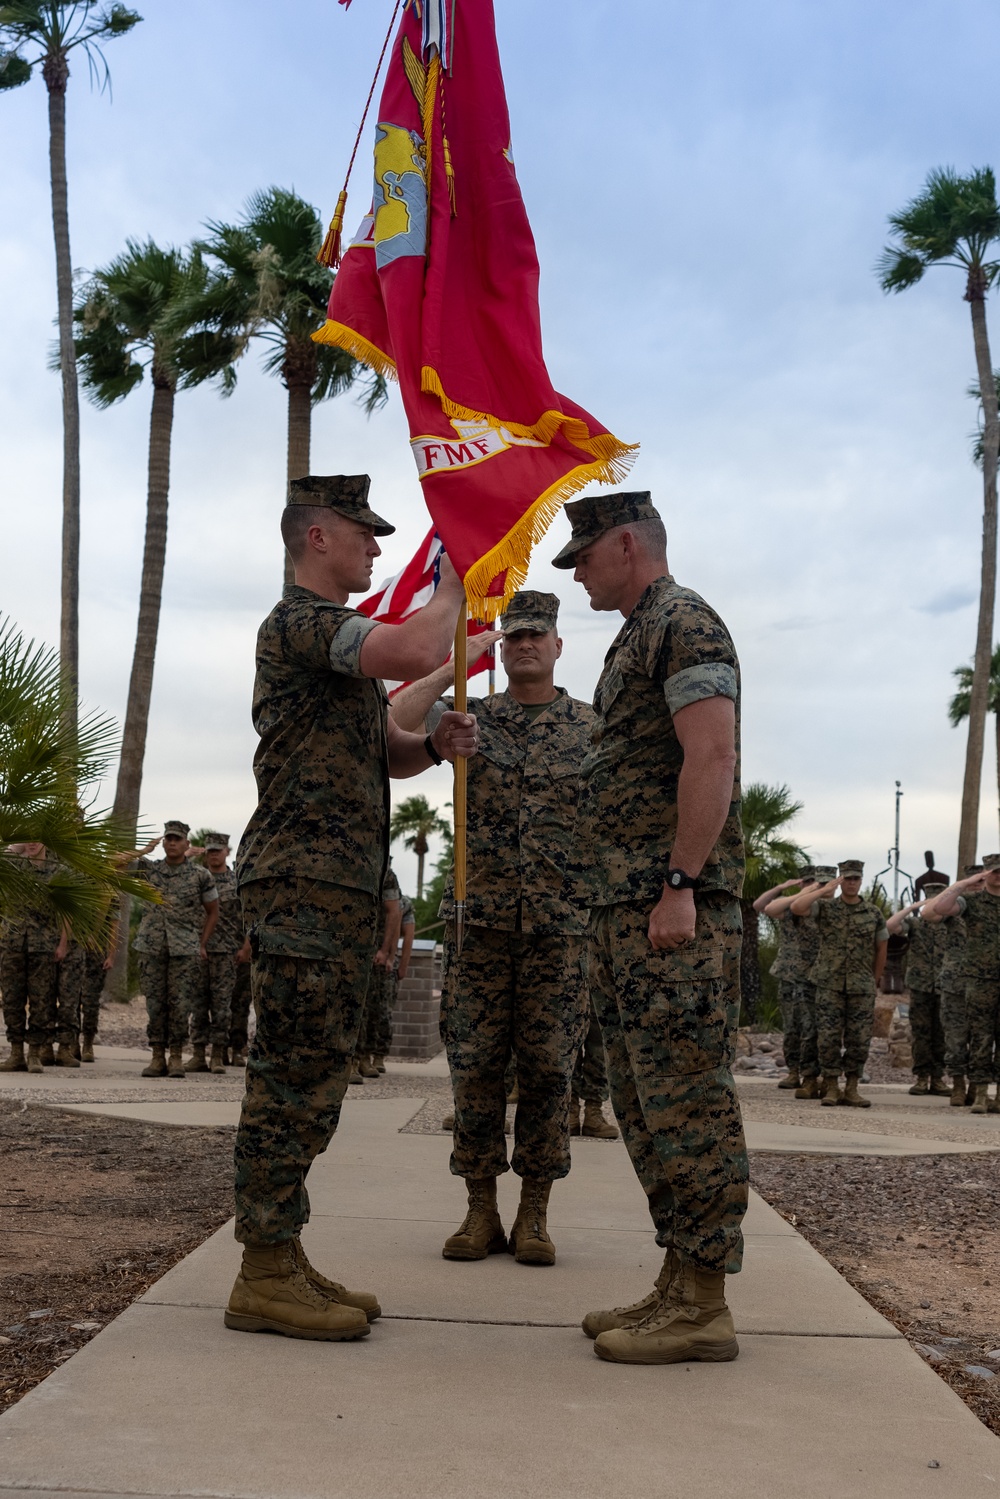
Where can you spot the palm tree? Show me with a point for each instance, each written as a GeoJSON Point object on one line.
{"type": "Point", "coordinates": [958, 708]}
{"type": "Point", "coordinates": [770, 858]}
{"type": "Point", "coordinates": [272, 287]}
{"type": "Point", "coordinates": [129, 326]}
{"type": "Point", "coordinates": [44, 34]}
{"type": "Point", "coordinates": [955, 221]}
{"type": "Point", "coordinates": [47, 760]}
{"type": "Point", "coordinates": [415, 820]}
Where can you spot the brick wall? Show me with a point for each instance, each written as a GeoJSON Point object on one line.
{"type": "Point", "coordinates": [415, 1035]}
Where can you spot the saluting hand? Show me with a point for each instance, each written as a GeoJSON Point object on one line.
{"type": "Point", "coordinates": [456, 736]}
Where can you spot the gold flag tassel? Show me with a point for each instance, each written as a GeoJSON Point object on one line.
{"type": "Point", "coordinates": [330, 250]}
{"type": "Point", "coordinates": [461, 776]}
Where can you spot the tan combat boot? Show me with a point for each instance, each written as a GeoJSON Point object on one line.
{"type": "Point", "coordinates": [66, 1055]}
{"type": "Point", "coordinates": [957, 1092]}
{"type": "Point", "coordinates": [47, 1055]}
{"type": "Point", "coordinates": [529, 1239]}
{"type": "Point", "coordinates": [852, 1097]}
{"type": "Point", "coordinates": [574, 1115]}
{"type": "Point", "coordinates": [363, 1300]}
{"type": "Point", "coordinates": [792, 1080]}
{"type": "Point", "coordinates": [87, 1049]}
{"type": "Point", "coordinates": [355, 1076]}
{"type": "Point", "coordinates": [15, 1062]}
{"type": "Point", "coordinates": [938, 1088]}
{"type": "Point", "coordinates": [448, 1122]}
{"type": "Point", "coordinates": [921, 1085]}
{"type": "Point", "coordinates": [970, 1095]}
{"type": "Point", "coordinates": [513, 1095]}
{"type": "Point", "coordinates": [809, 1087]}
{"type": "Point", "coordinates": [34, 1058]}
{"type": "Point", "coordinates": [594, 1323]}
{"type": "Point", "coordinates": [481, 1232]}
{"type": "Point", "coordinates": [158, 1066]}
{"type": "Point", "coordinates": [831, 1091]}
{"type": "Point", "coordinates": [272, 1294]}
{"type": "Point", "coordinates": [366, 1068]}
{"type": "Point", "coordinates": [378, 1062]}
{"type": "Point", "coordinates": [595, 1126]}
{"type": "Point", "coordinates": [979, 1107]}
{"type": "Point", "coordinates": [692, 1322]}
{"type": "Point", "coordinates": [993, 1104]}
{"type": "Point", "coordinates": [216, 1063]}
{"type": "Point", "coordinates": [175, 1063]}
{"type": "Point", "coordinates": [240, 1057]}
{"type": "Point", "coordinates": [197, 1061]}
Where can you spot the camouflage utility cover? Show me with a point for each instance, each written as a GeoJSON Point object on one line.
{"type": "Point", "coordinates": [174, 928]}
{"type": "Point", "coordinates": [848, 936]}
{"type": "Point", "coordinates": [228, 935]}
{"type": "Point", "coordinates": [322, 764]}
{"type": "Point", "coordinates": [524, 786]}
{"type": "Point", "coordinates": [982, 929]}
{"type": "Point", "coordinates": [672, 650]}
{"type": "Point", "coordinates": [34, 931]}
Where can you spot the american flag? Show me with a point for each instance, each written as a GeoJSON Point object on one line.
{"type": "Point", "coordinates": [409, 591]}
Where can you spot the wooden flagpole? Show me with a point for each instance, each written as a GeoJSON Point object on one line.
{"type": "Point", "coordinates": [461, 773]}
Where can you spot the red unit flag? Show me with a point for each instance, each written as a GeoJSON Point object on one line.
{"type": "Point", "coordinates": [439, 287]}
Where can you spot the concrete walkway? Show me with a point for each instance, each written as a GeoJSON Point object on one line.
{"type": "Point", "coordinates": [478, 1381]}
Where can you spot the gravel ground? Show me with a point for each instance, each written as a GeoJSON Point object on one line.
{"type": "Point", "coordinates": [762, 1105]}
{"type": "Point", "coordinates": [92, 1212]}
{"type": "Point", "coordinates": [919, 1238]}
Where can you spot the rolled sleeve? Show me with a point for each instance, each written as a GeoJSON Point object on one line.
{"type": "Point", "coordinates": [707, 679]}
{"type": "Point", "coordinates": [345, 647]}
{"type": "Point", "coordinates": [436, 712]}
{"type": "Point", "coordinates": [882, 935]}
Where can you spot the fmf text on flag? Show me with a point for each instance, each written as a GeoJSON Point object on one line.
{"type": "Point", "coordinates": [439, 287]}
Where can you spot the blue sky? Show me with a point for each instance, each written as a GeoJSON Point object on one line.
{"type": "Point", "coordinates": [708, 188]}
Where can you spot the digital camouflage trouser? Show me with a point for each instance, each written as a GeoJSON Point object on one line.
{"type": "Point", "coordinates": [28, 981]}
{"type": "Point", "coordinates": [844, 1025]}
{"type": "Point", "coordinates": [983, 1004]}
{"type": "Point", "coordinates": [81, 983]}
{"type": "Point", "coordinates": [211, 1011]}
{"type": "Point", "coordinates": [590, 1075]}
{"type": "Point", "coordinates": [171, 987]}
{"type": "Point", "coordinates": [375, 1037]}
{"type": "Point", "coordinates": [512, 990]}
{"type": "Point", "coordinates": [312, 947]}
{"type": "Point", "coordinates": [791, 1036]}
{"type": "Point", "coordinates": [239, 1012]}
{"type": "Point", "coordinates": [927, 1033]}
{"type": "Point", "coordinates": [669, 1021]}
{"type": "Point", "coordinates": [955, 1023]}
{"type": "Point", "coordinates": [805, 1020]}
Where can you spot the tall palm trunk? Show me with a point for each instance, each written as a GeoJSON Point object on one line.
{"type": "Point", "coordinates": [968, 831]}
{"type": "Point", "coordinates": [996, 721]}
{"type": "Point", "coordinates": [55, 71]}
{"type": "Point", "coordinates": [140, 687]}
{"type": "Point", "coordinates": [299, 374]}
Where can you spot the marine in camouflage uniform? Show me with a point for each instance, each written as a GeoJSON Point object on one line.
{"type": "Point", "coordinates": [796, 955]}
{"type": "Point", "coordinates": [928, 943]}
{"type": "Point", "coordinates": [81, 983]}
{"type": "Point", "coordinates": [668, 1003]}
{"type": "Point", "coordinates": [31, 948]}
{"type": "Point", "coordinates": [377, 1020]}
{"type": "Point", "coordinates": [982, 968]}
{"type": "Point", "coordinates": [169, 945]}
{"type": "Point", "coordinates": [954, 1003]}
{"type": "Point", "coordinates": [310, 869]}
{"type": "Point", "coordinates": [391, 981]}
{"type": "Point", "coordinates": [211, 1015]}
{"type": "Point", "coordinates": [852, 938]}
{"type": "Point", "coordinates": [519, 984]}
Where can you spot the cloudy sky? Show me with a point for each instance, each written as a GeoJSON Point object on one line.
{"type": "Point", "coordinates": [708, 188]}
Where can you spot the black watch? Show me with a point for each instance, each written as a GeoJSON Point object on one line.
{"type": "Point", "coordinates": [431, 752]}
{"type": "Point", "coordinates": [678, 880]}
